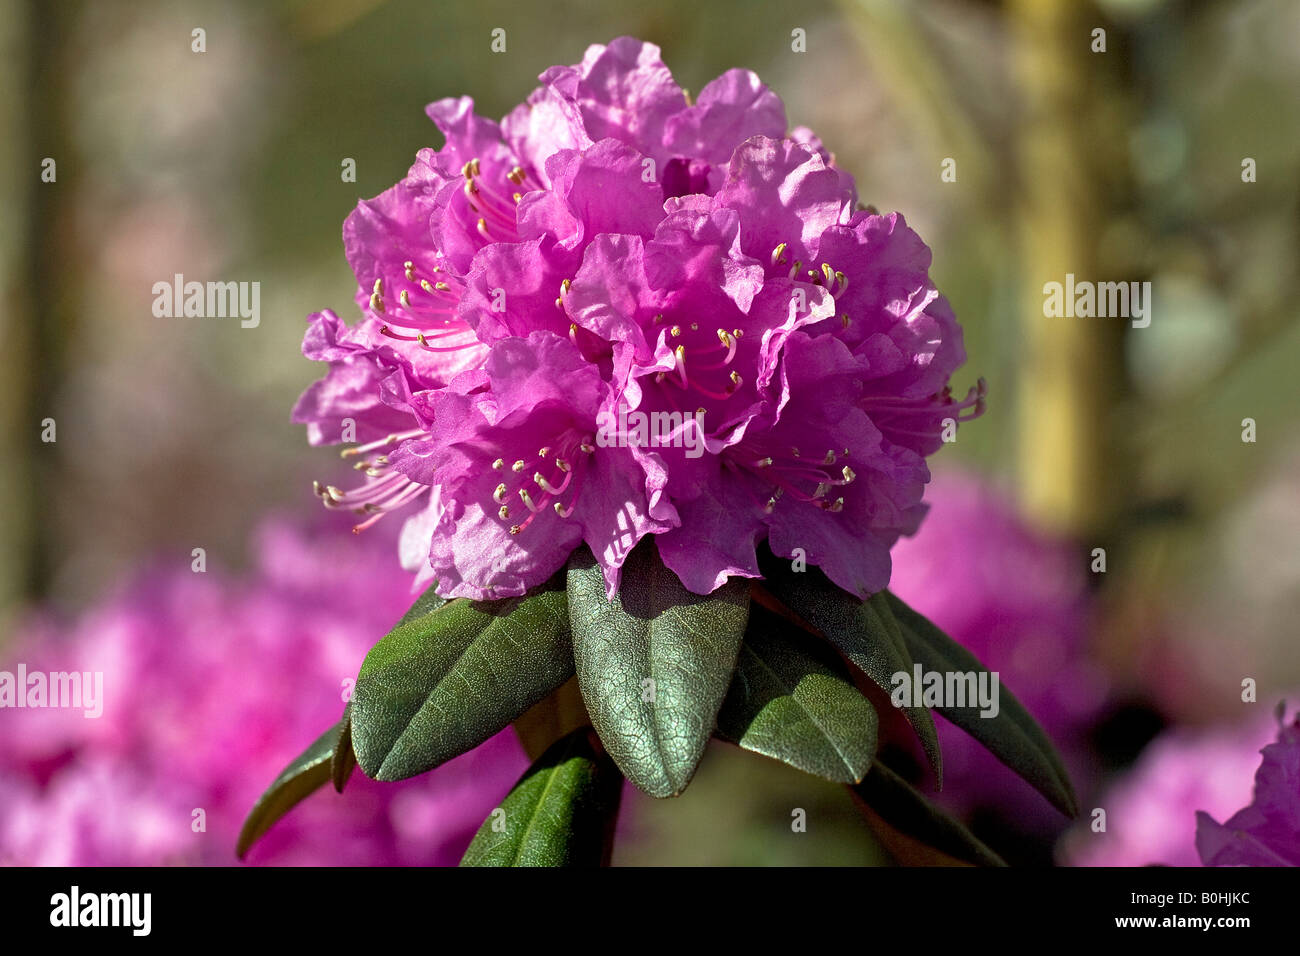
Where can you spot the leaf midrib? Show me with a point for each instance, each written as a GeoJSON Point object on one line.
{"type": "Point", "coordinates": [532, 817]}
{"type": "Point", "coordinates": [811, 716]}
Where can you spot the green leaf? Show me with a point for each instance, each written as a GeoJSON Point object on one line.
{"type": "Point", "coordinates": [560, 813]}
{"type": "Point", "coordinates": [1012, 736]}
{"type": "Point", "coordinates": [342, 760]}
{"type": "Point", "coordinates": [792, 700]}
{"type": "Point", "coordinates": [865, 633]}
{"type": "Point", "coordinates": [306, 774]}
{"type": "Point", "coordinates": [653, 630]}
{"type": "Point", "coordinates": [444, 681]}
{"type": "Point", "coordinates": [913, 829]}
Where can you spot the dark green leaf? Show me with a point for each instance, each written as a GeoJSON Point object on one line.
{"type": "Point", "coordinates": [865, 633]}
{"type": "Point", "coordinates": [653, 630]}
{"type": "Point", "coordinates": [914, 829]}
{"type": "Point", "coordinates": [444, 681]}
{"type": "Point", "coordinates": [561, 813]}
{"type": "Point", "coordinates": [306, 773]}
{"type": "Point", "coordinates": [342, 760]}
{"type": "Point", "coordinates": [1012, 736]}
{"type": "Point", "coordinates": [792, 700]}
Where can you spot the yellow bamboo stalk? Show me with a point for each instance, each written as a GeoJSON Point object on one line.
{"type": "Point", "coordinates": [1064, 379]}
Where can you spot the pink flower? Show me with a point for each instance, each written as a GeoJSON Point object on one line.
{"type": "Point", "coordinates": [1152, 811]}
{"type": "Point", "coordinates": [192, 722]}
{"type": "Point", "coordinates": [1267, 832]}
{"type": "Point", "coordinates": [520, 506]}
{"type": "Point", "coordinates": [610, 248]}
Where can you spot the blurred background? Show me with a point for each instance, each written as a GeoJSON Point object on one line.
{"type": "Point", "coordinates": [1118, 156]}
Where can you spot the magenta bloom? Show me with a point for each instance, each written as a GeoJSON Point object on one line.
{"type": "Point", "coordinates": [210, 686]}
{"type": "Point", "coordinates": [1018, 601]}
{"type": "Point", "coordinates": [618, 314]}
{"type": "Point", "coordinates": [1267, 832]}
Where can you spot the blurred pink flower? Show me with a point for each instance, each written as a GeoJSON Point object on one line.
{"type": "Point", "coordinates": [1017, 600]}
{"type": "Point", "coordinates": [1266, 833]}
{"type": "Point", "coordinates": [211, 685]}
{"type": "Point", "coordinates": [1151, 811]}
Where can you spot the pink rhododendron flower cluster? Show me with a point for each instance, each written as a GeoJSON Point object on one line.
{"type": "Point", "coordinates": [1018, 600]}
{"type": "Point", "coordinates": [611, 248]}
{"type": "Point", "coordinates": [210, 686]}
